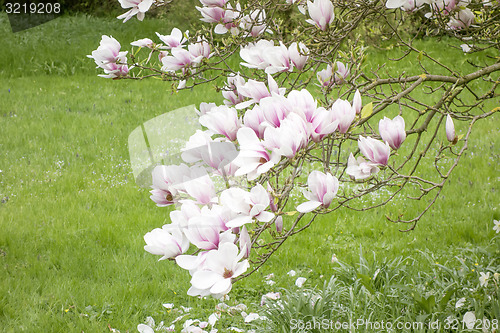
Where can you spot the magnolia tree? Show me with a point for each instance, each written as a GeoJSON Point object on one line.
{"type": "Point", "coordinates": [302, 118]}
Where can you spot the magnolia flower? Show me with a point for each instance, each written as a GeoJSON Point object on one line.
{"type": "Point", "coordinates": [392, 131]}
{"type": "Point", "coordinates": [254, 23]}
{"type": "Point", "coordinates": [275, 109]}
{"type": "Point", "coordinates": [321, 13]}
{"type": "Point", "coordinates": [199, 186]}
{"type": "Point", "coordinates": [211, 14]}
{"type": "Point", "coordinates": [175, 39]}
{"type": "Point", "coordinates": [219, 268]}
{"type": "Point", "coordinates": [254, 158]}
{"type": "Point", "coordinates": [247, 205]}
{"type": "Point", "coordinates": [200, 49]}
{"type": "Point", "coordinates": [483, 279]}
{"type": "Point", "coordinates": [463, 19]}
{"type": "Point", "coordinates": [289, 138]}
{"type": "Point", "coordinates": [254, 119]}
{"type": "Point", "coordinates": [298, 54]}
{"type": "Point", "coordinates": [359, 168]}
{"type": "Point", "coordinates": [245, 242]}
{"type": "Point", "coordinates": [356, 102]}
{"type": "Point", "coordinates": [230, 92]}
{"type": "Point", "coordinates": [254, 53]}
{"type": "Point", "coordinates": [213, 3]}
{"type": "Point", "coordinates": [278, 59]}
{"type": "Point", "coordinates": [376, 151]}
{"type": "Point", "coordinates": [344, 113]}
{"type": "Point", "coordinates": [144, 42]}
{"type": "Point", "coordinates": [279, 224]}
{"type": "Point", "coordinates": [302, 103]}
{"type": "Point", "coordinates": [139, 7]}
{"type": "Point", "coordinates": [167, 182]}
{"type": "Point", "coordinates": [256, 90]}
{"type": "Point", "coordinates": [325, 77]}
{"type": "Point", "coordinates": [109, 57]}
{"type": "Point", "coordinates": [168, 242]}
{"type": "Point", "coordinates": [222, 120]}
{"type": "Point", "coordinates": [450, 130]}
{"type": "Point", "coordinates": [341, 73]}
{"type": "Point", "coordinates": [322, 189]}
{"type": "Point", "coordinates": [180, 59]}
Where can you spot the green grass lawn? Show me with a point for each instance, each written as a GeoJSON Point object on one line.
{"type": "Point", "coordinates": [72, 218]}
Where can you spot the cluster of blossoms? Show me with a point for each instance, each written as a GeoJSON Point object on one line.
{"type": "Point", "coordinates": [460, 16]}
{"type": "Point", "coordinates": [109, 57]}
{"type": "Point", "coordinates": [238, 171]}
{"type": "Point", "coordinates": [256, 128]}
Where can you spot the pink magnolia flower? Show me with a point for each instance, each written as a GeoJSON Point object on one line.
{"type": "Point", "coordinates": [254, 118]}
{"type": "Point", "coordinates": [203, 233]}
{"type": "Point", "coordinates": [180, 217]}
{"type": "Point", "coordinates": [298, 54]}
{"type": "Point", "coordinates": [167, 182]}
{"type": "Point", "coordinates": [230, 92]}
{"type": "Point", "coordinates": [344, 113]}
{"type": "Point", "coordinates": [256, 90]}
{"type": "Point", "coordinates": [392, 131]}
{"type": "Point", "coordinates": [376, 151]}
{"type": "Point", "coordinates": [463, 19]}
{"type": "Point", "coordinates": [356, 102]}
{"type": "Point", "coordinates": [302, 103]}
{"type": "Point", "coordinates": [254, 158]}
{"type": "Point", "coordinates": [279, 224]}
{"type": "Point", "coordinates": [200, 49]}
{"type": "Point", "coordinates": [144, 42]}
{"type": "Point", "coordinates": [245, 242]}
{"type": "Point", "coordinates": [247, 205]}
{"type": "Point", "coordinates": [139, 7]}
{"type": "Point", "coordinates": [254, 53]}
{"type": "Point", "coordinates": [341, 73]}
{"type": "Point", "coordinates": [219, 268]}
{"type": "Point", "coordinates": [290, 137]}
{"type": "Point", "coordinates": [321, 13]}
{"type": "Point", "coordinates": [200, 187]}
{"type": "Point", "coordinates": [180, 59]}
{"type": "Point", "coordinates": [275, 109]}
{"type": "Point", "coordinates": [222, 120]}
{"type": "Point", "coordinates": [278, 59]}
{"type": "Point", "coordinates": [175, 39]}
{"type": "Point", "coordinates": [219, 156]}
{"type": "Point", "coordinates": [213, 3]}
{"type": "Point", "coordinates": [168, 242]}
{"type": "Point", "coordinates": [211, 14]}
{"type": "Point", "coordinates": [323, 123]}
{"type": "Point", "coordinates": [325, 76]}
{"type": "Point", "coordinates": [359, 168]}
{"type": "Point", "coordinates": [204, 108]}
{"type": "Point", "coordinates": [254, 22]}
{"type": "Point", "coordinates": [450, 130]}
{"type": "Point", "coordinates": [229, 21]}
{"type": "Point", "coordinates": [109, 57]}
{"type": "Point", "coordinates": [322, 189]}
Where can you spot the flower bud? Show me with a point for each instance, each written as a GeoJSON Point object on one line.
{"type": "Point", "coordinates": [450, 130]}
